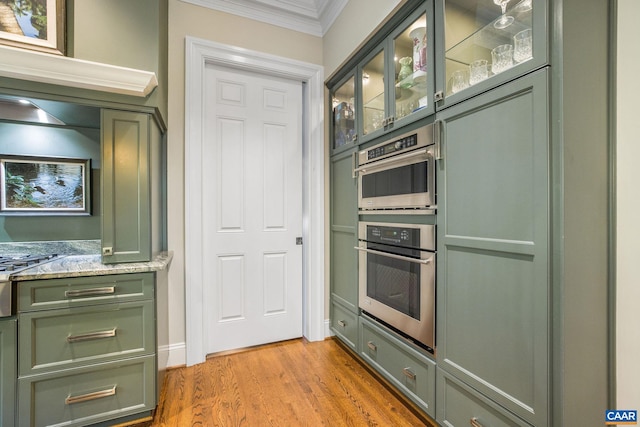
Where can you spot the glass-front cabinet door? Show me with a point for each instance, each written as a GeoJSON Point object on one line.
{"type": "Point", "coordinates": [397, 78]}
{"type": "Point", "coordinates": [344, 114]}
{"type": "Point", "coordinates": [374, 102]}
{"type": "Point", "coordinates": [484, 43]}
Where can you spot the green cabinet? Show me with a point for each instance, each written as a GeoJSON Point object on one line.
{"type": "Point", "coordinates": [87, 349]}
{"type": "Point", "coordinates": [493, 246]}
{"type": "Point", "coordinates": [8, 369]}
{"type": "Point", "coordinates": [406, 366]}
{"type": "Point", "coordinates": [343, 239]}
{"type": "Point", "coordinates": [132, 164]}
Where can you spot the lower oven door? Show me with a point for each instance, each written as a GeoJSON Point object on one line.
{"type": "Point", "coordinates": [399, 291]}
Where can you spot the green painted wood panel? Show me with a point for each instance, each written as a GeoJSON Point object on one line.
{"type": "Point", "coordinates": [42, 398]}
{"type": "Point", "coordinates": [60, 339]}
{"type": "Point", "coordinates": [126, 203]}
{"type": "Point", "coordinates": [344, 265]}
{"type": "Point", "coordinates": [493, 250]}
{"type": "Point", "coordinates": [409, 370]}
{"type": "Point", "coordinates": [8, 371]}
{"type": "Point", "coordinates": [84, 291]}
{"type": "Point", "coordinates": [344, 324]}
{"type": "Point", "coordinates": [458, 404]}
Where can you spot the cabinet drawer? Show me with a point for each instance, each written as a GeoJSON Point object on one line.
{"type": "Point", "coordinates": [460, 405]}
{"type": "Point", "coordinates": [344, 324]}
{"type": "Point", "coordinates": [88, 395]}
{"type": "Point", "coordinates": [81, 291]}
{"type": "Point", "coordinates": [61, 339]}
{"type": "Point", "coordinates": [405, 367]}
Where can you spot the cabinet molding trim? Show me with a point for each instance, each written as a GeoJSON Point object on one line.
{"type": "Point", "coordinates": [77, 73]}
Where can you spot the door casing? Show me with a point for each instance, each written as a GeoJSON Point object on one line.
{"type": "Point", "coordinates": [199, 52]}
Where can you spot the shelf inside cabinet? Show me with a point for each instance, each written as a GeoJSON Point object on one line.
{"type": "Point", "coordinates": [479, 44]}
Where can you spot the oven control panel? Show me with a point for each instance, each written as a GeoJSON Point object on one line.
{"type": "Point", "coordinates": [403, 235]}
{"type": "Point", "coordinates": [418, 138]}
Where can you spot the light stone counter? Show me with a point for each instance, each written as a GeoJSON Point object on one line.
{"type": "Point", "coordinates": [90, 265]}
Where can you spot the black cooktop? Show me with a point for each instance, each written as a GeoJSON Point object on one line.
{"type": "Point", "coordinates": [18, 262]}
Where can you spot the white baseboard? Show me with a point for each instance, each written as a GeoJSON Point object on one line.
{"type": "Point", "coordinates": [327, 329]}
{"type": "Point", "coordinates": [173, 354]}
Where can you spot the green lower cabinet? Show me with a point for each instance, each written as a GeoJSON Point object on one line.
{"type": "Point", "coordinates": [408, 369]}
{"type": "Point", "coordinates": [57, 339]}
{"type": "Point", "coordinates": [460, 405]}
{"type": "Point", "coordinates": [344, 323]}
{"type": "Point", "coordinates": [88, 395]}
{"type": "Point", "coordinates": [8, 369]}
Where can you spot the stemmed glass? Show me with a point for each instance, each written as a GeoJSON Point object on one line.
{"type": "Point", "coordinates": [505, 20]}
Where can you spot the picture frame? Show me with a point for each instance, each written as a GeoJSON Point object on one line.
{"type": "Point", "coordinates": [34, 24]}
{"type": "Point", "coordinates": [31, 185]}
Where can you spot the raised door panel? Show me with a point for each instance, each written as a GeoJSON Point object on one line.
{"type": "Point", "coordinates": [126, 196]}
{"type": "Point", "coordinates": [493, 263]}
{"type": "Point", "coordinates": [344, 275]}
{"type": "Point", "coordinates": [8, 368]}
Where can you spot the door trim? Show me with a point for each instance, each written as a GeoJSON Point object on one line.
{"type": "Point", "coordinates": [200, 52]}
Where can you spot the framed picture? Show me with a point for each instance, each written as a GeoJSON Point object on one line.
{"type": "Point", "coordinates": [44, 186]}
{"type": "Point", "coordinates": [33, 24]}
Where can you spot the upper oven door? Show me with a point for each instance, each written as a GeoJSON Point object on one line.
{"type": "Point", "coordinates": [406, 181]}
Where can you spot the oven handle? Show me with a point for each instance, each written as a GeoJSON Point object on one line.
{"type": "Point", "coordinates": [395, 159]}
{"type": "Point", "coordinates": [403, 258]}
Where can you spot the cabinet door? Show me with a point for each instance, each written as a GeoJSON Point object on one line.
{"type": "Point", "coordinates": [8, 375]}
{"type": "Point", "coordinates": [397, 78]}
{"type": "Point", "coordinates": [479, 47]}
{"type": "Point", "coordinates": [344, 268]}
{"type": "Point", "coordinates": [493, 249]}
{"type": "Point", "coordinates": [126, 196]}
{"type": "Point", "coordinates": [343, 115]}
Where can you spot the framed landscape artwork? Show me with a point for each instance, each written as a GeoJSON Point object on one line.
{"type": "Point", "coordinates": [33, 24]}
{"type": "Point", "coordinates": [44, 186]}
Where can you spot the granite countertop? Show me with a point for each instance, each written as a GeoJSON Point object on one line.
{"type": "Point", "coordinates": [77, 258]}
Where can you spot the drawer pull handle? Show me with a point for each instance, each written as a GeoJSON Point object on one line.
{"type": "Point", "coordinates": [342, 323]}
{"type": "Point", "coordinates": [474, 422]}
{"type": "Point", "coordinates": [409, 373]}
{"type": "Point", "coordinates": [372, 346]}
{"type": "Point", "coordinates": [92, 336]}
{"type": "Point", "coordinates": [107, 290]}
{"type": "Point", "coordinates": [70, 400]}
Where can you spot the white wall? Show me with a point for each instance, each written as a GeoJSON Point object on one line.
{"type": "Point", "coordinates": [628, 207]}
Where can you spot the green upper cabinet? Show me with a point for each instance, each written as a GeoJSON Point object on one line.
{"type": "Point", "coordinates": [493, 248]}
{"type": "Point", "coordinates": [396, 77]}
{"type": "Point", "coordinates": [132, 201]}
{"type": "Point", "coordinates": [480, 47]}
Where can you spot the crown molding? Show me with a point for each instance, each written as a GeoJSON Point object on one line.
{"type": "Point", "coordinates": [311, 16]}
{"type": "Point", "coordinates": [71, 72]}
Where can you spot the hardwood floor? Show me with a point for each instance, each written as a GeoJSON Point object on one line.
{"type": "Point", "coordinates": [292, 383]}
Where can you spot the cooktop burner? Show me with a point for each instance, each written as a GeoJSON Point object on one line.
{"type": "Point", "coordinates": [18, 262]}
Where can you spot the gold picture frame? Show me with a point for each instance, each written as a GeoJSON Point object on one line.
{"type": "Point", "coordinates": [33, 24]}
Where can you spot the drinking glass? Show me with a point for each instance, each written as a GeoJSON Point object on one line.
{"type": "Point", "coordinates": [502, 58]}
{"type": "Point", "coordinates": [522, 42]}
{"type": "Point", "coordinates": [505, 20]}
{"type": "Point", "coordinates": [478, 71]}
{"type": "Point", "coordinates": [459, 81]}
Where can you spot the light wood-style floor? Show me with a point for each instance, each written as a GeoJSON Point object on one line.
{"type": "Point", "coordinates": [292, 383]}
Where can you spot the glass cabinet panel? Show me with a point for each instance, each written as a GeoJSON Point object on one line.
{"type": "Point", "coordinates": [410, 59]}
{"type": "Point", "coordinates": [344, 114]}
{"type": "Point", "coordinates": [484, 38]}
{"type": "Point", "coordinates": [373, 94]}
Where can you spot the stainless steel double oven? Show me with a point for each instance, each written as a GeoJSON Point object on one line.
{"type": "Point", "coordinates": [397, 261]}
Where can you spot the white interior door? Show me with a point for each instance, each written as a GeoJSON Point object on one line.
{"type": "Point", "coordinates": [252, 208]}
